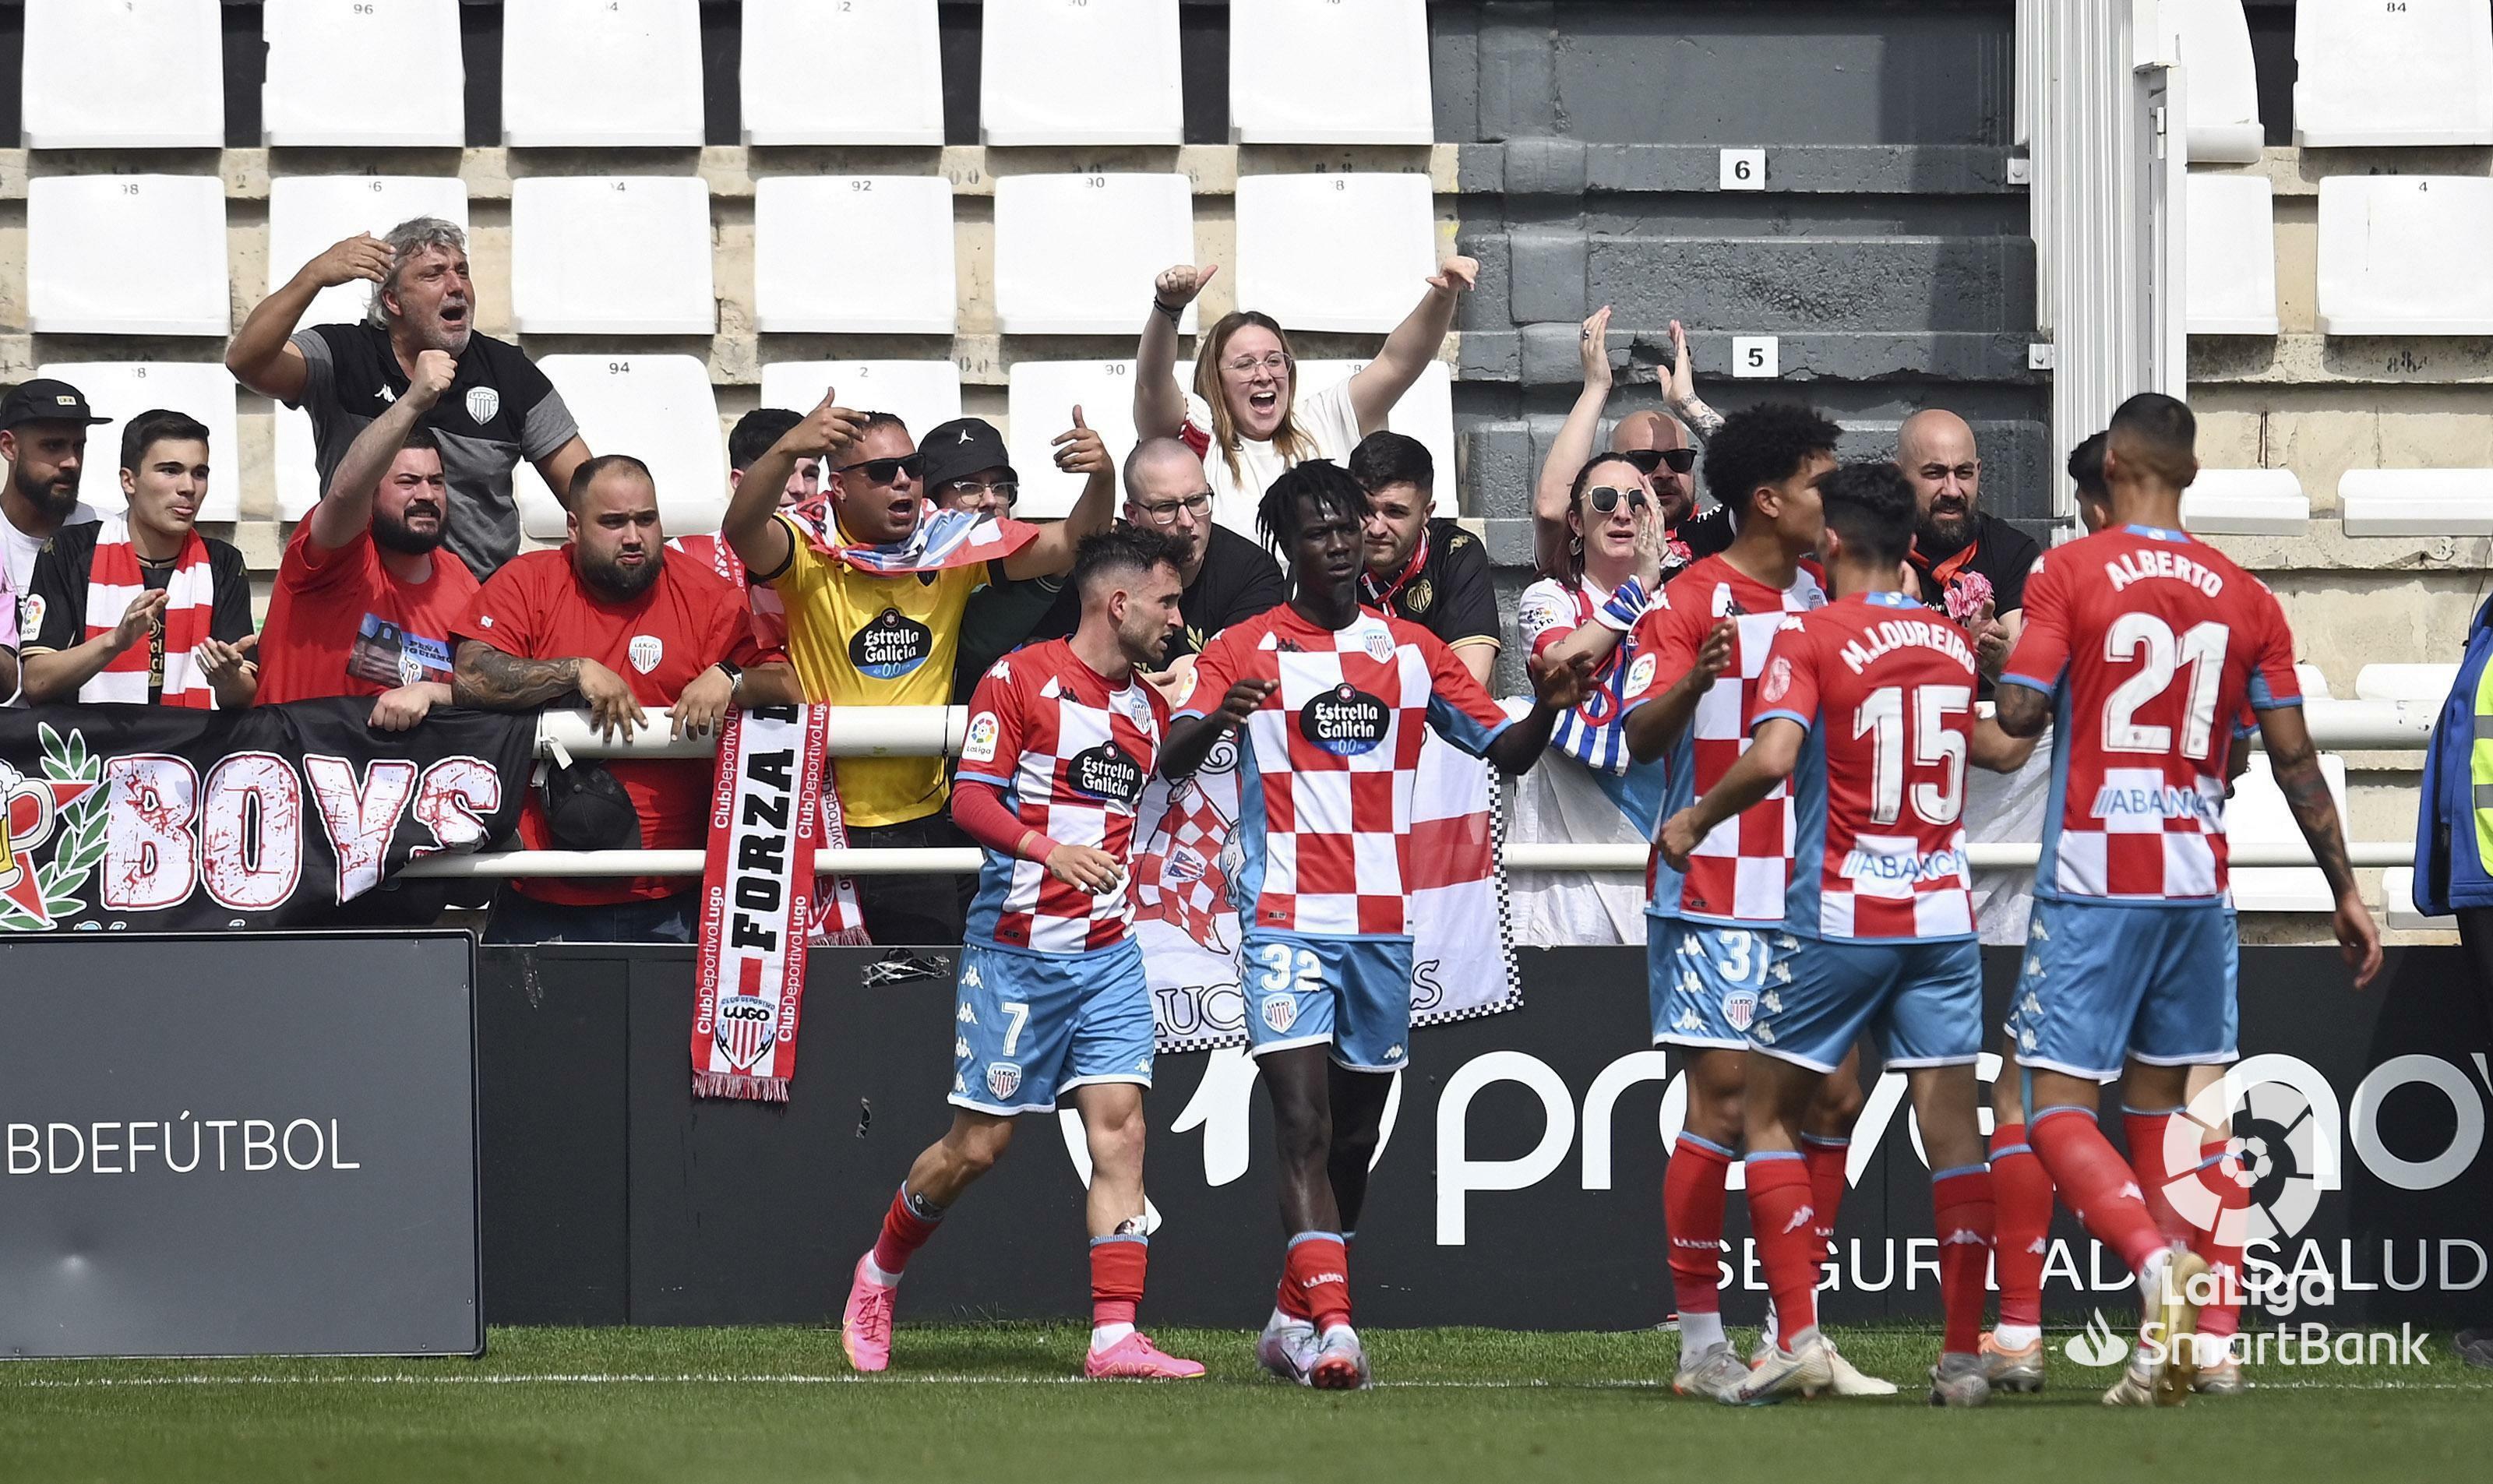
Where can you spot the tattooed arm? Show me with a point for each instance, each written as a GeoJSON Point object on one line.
{"type": "Point", "coordinates": [2296, 767]}
{"type": "Point", "coordinates": [2024, 711]}
{"type": "Point", "coordinates": [487, 679]}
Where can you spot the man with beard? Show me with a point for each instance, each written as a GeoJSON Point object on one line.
{"type": "Point", "coordinates": [605, 621]}
{"type": "Point", "coordinates": [1423, 568]}
{"type": "Point", "coordinates": [363, 605]}
{"type": "Point", "coordinates": [43, 437]}
{"type": "Point", "coordinates": [1655, 443]}
{"type": "Point", "coordinates": [498, 408]}
{"type": "Point", "coordinates": [1956, 540]}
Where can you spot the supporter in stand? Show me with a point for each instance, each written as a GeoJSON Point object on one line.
{"type": "Point", "coordinates": [1961, 555]}
{"type": "Point", "coordinates": [500, 407]}
{"type": "Point", "coordinates": [43, 436]}
{"type": "Point", "coordinates": [1422, 568]}
{"type": "Point", "coordinates": [8, 637]}
{"type": "Point", "coordinates": [1658, 445]}
{"type": "Point", "coordinates": [967, 469]}
{"type": "Point", "coordinates": [139, 607]}
{"type": "Point", "coordinates": [1244, 417]}
{"type": "Point", "coordinates": [608, 622]}
{"type": "Point", "coordinates": [747, 441]}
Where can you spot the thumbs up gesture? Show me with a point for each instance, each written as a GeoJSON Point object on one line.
{"type": "Point", "coordinates": [1080, 449]}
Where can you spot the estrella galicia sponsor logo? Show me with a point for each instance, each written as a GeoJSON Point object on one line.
{"type": "Point", "coordinates": [892, 645]}
{"type": "Point", "coordinates": [1106, 772]}
{"type": "Point", "coordinates": [1345, 721]}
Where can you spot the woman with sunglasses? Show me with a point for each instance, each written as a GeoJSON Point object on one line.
{"type": "Point", "coordinates": [1245, 416]}
{"type": "Point", "coordinates": [1616, 558]}
{"type": "Point", "coordinates": [1663, 447]}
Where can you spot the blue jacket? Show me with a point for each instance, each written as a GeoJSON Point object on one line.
{"type": "Point", "coordinates": [2453, 860]}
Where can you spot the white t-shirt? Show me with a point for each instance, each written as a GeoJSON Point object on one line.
{"type": "Point", "coordinates": [1324, 417]}
{"type": "Point", "coordinates": [20, 550]}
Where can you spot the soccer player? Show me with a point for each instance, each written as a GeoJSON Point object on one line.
{"type": "Point", "coordinates": [1712, 930]}
{"type": "Point", "coordinates": [2144, 644]}
{"type": "Point", "coordinates": [1333, 697]}
{"type": "Point", "coordinates": [1052, 998]}
{"type": "Point", "coordinates": [1866, 707]}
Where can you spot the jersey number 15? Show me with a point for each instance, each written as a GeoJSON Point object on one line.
{"type": "Point", "coordinates": [1936, 744]}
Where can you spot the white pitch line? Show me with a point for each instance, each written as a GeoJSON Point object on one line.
{"type": "Point", "coordinates": [722, 1379]}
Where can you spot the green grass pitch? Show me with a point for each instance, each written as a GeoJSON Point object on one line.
{"type": "Point", "coordinates": [994, 1404]}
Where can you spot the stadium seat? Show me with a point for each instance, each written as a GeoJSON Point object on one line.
{"type": "Point", "coordinates": [299, 471]}
{"type": "Point", "coordinates": [1103, 72]}
{"type": "Point", "coordinates": [1316, 71]}
{"type": "Point", "coordinates": [602, 73]}
{"type": "Point", "coordinates": [121, 390]}
{"type": "Point", "coordinates": [2259, 815]}
{"type": "Point", "coordinates": [140, 74]}
{"type": "Point", "coordinates": [2397, 901]}
{"type": "Point", "coordinates": [920, 393]}
{"type": "Point", "coordinates": [2245, 502]}
{"type": "Point", "coordinates": [897, 100]}
{"type": "Point", "coordinates": [853, 254]}
{"type": "Point", "coordinates": [1426, 412]}
{"type": "Point", "coordinates": [2314, 684]}
{"type": "Point", "coordinates": [2427, 683]}
{"type": "Point", "coordinates": [127, 255]}
{"type": "Point", "coordinates": [661, 410]}
{"type": "Point", "coordinates": [2417, 502]}
{"type": "Point", "coordinates": [1335, 251]}
{"type": "Point", "coordinates": [2420, 71]}
{"type": "Point", "coordinates": [2231, 272]}
{"type": "Point", "coordinates": [2399, 254]}
{"type": "Point", "coordinates": [571, 275]}
{"type": "Point", "coordinates": [1041, 398]}
{"type": "Point", "coordinates": [2213, 39]}
{"type": "Point", "coordinates": [1073, 250]}
{"type": "Point", "coordinates": [308, 213]}
{"type": "Point", "coordinates": [320, 59]}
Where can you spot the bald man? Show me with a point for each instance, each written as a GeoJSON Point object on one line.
{"type": "Point", "coordinates": [1955, 538]}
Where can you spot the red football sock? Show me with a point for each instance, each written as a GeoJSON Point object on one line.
{"type": "Point", "coordinates": [2148, 1135]}
{"type": "Point", "coordinates": [1825, 1159]}
{"type": "Point", "coordinates": [2096, 1183]}
{"type": "Point", "coordinates": [1782, 1215]}
{"type": "Point", "coordinates": [1962, 1203]}
{"type": "Point", "coordinates": [1117, 1278]}
{"type": "Point", "coordinates": [2222, 1244]}
{"type": "Point", "coordinates": [904, 1232]}
{"type": "Point", "coordinates": [1320, 1270]}
{"type": "Point", "coordinates": [1692, 1198]}
{"type": "Point", "coordinates": [2022, 1196]}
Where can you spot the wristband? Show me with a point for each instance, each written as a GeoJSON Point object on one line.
{"type": "Point", "coordinates": [1174, 312]}
{"type": "Point", "coordinates": [1625, 607]}
{"type": "Point", "coordinates": [1035, 846]}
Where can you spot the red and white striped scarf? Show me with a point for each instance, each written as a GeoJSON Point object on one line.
{"type": "Point", "coordinates": [113, 582]}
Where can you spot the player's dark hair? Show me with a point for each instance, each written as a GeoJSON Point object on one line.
{"type": "Point", "coordinates": [754, 432]}
{"type": "Point", "coordinates": [1764, 445]}
{"type": "Point", "coordinates": [1869, 505]}
{"type": "Point", "coordinates": [590, 468]}
{"type": "Point", "coordinates": [1324, 485]}
{"type": "Point", "coordinates": [1385, 458]}
{"type": "Point", "coordinates": [1121, 551]}
{"type": "Point", "coordinates": [153, 427]}
{"type": "Point", "coordinates": [2085, 468]}
{"type": "Point", "coordinates": [2156, 433]}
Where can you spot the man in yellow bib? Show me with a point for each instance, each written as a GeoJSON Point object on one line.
{"type": "Point", "coordinates": [874, 583]}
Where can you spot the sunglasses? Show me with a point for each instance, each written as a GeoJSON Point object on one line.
{"type": "Point", "coordinates": [883, 471]}
{"type": "Point", "coordinates": [1648, 460]}
{"type": "Point", "coordinates": [1603, 499]}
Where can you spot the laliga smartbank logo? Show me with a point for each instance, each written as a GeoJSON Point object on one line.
{"type": "Point", "coordinates": [2307, 1343]}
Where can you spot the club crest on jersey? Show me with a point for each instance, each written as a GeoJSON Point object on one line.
{"type": "Point", "coordinates": [1777, 682]}
{"type": "Point", "coordinates": [1740, 1009]}
{"type": "Point", "coordinates": [646, 651]}
{"type": "Point", "coordinates": [1279, 1012]}
{"type": "Point", "coordinates": [1105, 772]}
{"type": "Point", "coordinates": [1345, 721]}
{"type": "Point", "coordinates": [483, 402]}
{"type": "Point", "coordinates": [747, 1028]}
{"type": "Point", "coordinates": [1641, 673]}
{"type": "Point", "coordinates": [890, 645]}
{"type": "Point", "coordinates": [1004, 1079]}
{"type": "Point", "coordinates": [1380, 645]}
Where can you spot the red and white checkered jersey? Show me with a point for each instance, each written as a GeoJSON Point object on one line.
{"type": "Point", "coordinates": [1886, 687]}
{"type": "Point", "coordinates": [2150, 643]}
{"type": "Point", "coordinates": [1740, 873]}
{"type": "Point", "coordinates": [1070, 755]}
{"type": "Point", "coordinates": [1325, 784]}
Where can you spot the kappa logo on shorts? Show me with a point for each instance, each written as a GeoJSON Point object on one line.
{"type": "Point", "coordinates": [1772, 1004]}
{"type": "Point", "coordinates": [1004, 1079]}
{"type": "Point", "coordinates": [970, 980]}
{"type": "Point", "coordinates": [1762, 1034]}
{"type": "Point", "coordinates": [1279, 1012]}
{"type": "Point", "coordinates": [1740, 1009]}
{"type": "Point", "coordinates": [960, 1048]}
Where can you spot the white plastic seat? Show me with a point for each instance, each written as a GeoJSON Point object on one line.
{"type": "Point", "coordinates": [661, 410]}
{"type": "Point", "coordinates": [1041, 398]}
{"type": "Point", "coordinates": [2397, 901]}
{"type": "Point", "coordinates": [921, 394]}
{"type": "Point", "coordinates": [2231, 275]}
{"type": "Point", "coordinates": [309, 213]}
{"type": "Point", "coordinates": [1071, 250]}
{"type": "Point", "coordinates": [1426, 412]}
{"type": "Point", "coordinates": [2245, 502]}
{"type": "Point", "coordinates": [2427, 683]}
{"type": "Point", "coordinates": [321, 58]}
{"type": "Point", "coordinates": [853, 254]}
{"type": "Point", "coordinates": [1335, 251]}
{"type": "Point", "coordinates": [2258, 814]}
{"type": "Point", "coordinates": [127, 255]}
{"type": "Point", "coordinates": [298, 465]}
{"type": "Point", "coordinates": [1316, 71]}
{"type": "Point", "coordinates": [2417, 502]}
{"type": "Point", "coordinates": [602, 73]}
{"type": "Point", "coordinates": [1101, 72]}
{"type": "Point", "coordinates": [595, 254]}
{"type": "Point", "coordinates": [897, 98]}
{"type": "Point", "coordinates": [2403, 255]}
{"type": "Point", "coordinates": [2212, 37]}
{"type": "Point", "coordinates": [2420, 71]}
{"type": "Point", "coordinates": [121, 390]}
{"type": "Point", "coordinates": [2314, 684]}
{"type": "Point", "coordinates": [137, 75]}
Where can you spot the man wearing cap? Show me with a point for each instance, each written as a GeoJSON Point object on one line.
{"type": "Point", "coordinates": [43, 437]}
{"type": "Point", "coordinates": [967, 469]}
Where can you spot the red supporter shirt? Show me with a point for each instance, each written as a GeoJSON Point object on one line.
{"type": "Point", "coordinates": [341, 624]}
{"type": "Point", "coordinates": [684, 623]}
{"type": "Point", "coordinates": [2151, 643]}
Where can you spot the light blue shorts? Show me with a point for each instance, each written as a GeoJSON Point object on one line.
{"type": "Point", "coordinates": [1704, 981]}
{"type": "Point", "coordinates": [2106, 980]}
{"type": "Point", "coordinates": [1923, 1002]}
{"type": "Point", "coordinates": [1351, 993]}
{"type": "Point", "coordinates": [1027, 1026]}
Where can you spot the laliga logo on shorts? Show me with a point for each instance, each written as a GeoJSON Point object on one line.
{"type": "Point", "coordinates": [747, 1030]}
{"type": "Point", "coordinates": [2096, 1345]}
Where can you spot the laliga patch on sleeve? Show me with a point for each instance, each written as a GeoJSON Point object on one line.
{"type": "Point", "coordinates": [1778, 679]}
{"type": "Point", "coordinates": [980, 745]}
{"type": "Point", "coordinates": [1641, 673]}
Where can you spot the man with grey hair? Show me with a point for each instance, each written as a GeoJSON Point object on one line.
{"type": "Point", "coordinates": [498, 410]}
